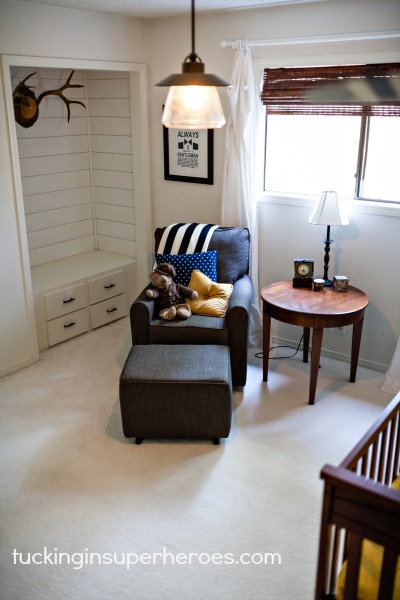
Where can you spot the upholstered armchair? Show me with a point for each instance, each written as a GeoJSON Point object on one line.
{"type": "Point", "coordinates": [232, 245]}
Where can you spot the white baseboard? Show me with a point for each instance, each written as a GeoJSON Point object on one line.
{"type": "Point", "coordinates": [335, 355]}
{"type": "Point", "coordinates": [18, 366]}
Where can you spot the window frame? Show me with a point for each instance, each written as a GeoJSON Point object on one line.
{"type": "Point", "coordinates": [362, 157]}
{"type": "Point", "coordinates": [361, 162]}
{"type": "Point", "coordinates": [356, 205]}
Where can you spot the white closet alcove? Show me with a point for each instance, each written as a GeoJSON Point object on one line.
{"type": "Point", "coordinates": [82, 193]}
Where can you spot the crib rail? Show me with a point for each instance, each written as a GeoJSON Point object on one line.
{"type": "Point", "coordinates": [377, 454]}
{"type": "Point", "coordinates": [358, 503]}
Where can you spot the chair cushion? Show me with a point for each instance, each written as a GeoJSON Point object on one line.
{"type": "Point", "coordinates": [213, 300]}
{"type": "Point", "coordinates": [185, 263]}
{"type": "Point", "coordinates": [233, 250]}
{"type": "Point", "coordinates": [195, 330]}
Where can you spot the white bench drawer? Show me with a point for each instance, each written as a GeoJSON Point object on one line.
{"type": "Point", "coordinates": [109, 310]}
{"type": "Point", "coordinates": [106, 286]}
{"type": "Point", "coordinates": [67, 326]}
{"type": "Point", "coordinates": [65, 301]}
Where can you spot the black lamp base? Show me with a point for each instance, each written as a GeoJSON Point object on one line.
{"type": "Point", "coordinates": [328, 241]}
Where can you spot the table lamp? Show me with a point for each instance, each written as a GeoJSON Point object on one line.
{"type": "Point", "coordinates": [328, 212]}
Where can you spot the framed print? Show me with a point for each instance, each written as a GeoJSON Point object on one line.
{"type": "Point", "coordinates": [188, 155]}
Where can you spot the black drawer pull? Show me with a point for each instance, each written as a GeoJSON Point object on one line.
{"type": "Point", "coordinates": [70, 300]}
{"type": "Point", "coordinates": [70, 324]}
{"type": "Point", "coordinates": [110, 285]}
{"type": "Point", "coordinates": [110, 310]}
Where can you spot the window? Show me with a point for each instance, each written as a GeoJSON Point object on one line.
{"type": "Point", "coordinates": [378, 177]}
{"type": "Point", "coordinates": [319, 136]}
{"type": "Point", "coordinates": [358, 156]}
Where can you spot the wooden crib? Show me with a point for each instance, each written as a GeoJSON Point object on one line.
{"type": "Point", "coordinates": [360, 515]}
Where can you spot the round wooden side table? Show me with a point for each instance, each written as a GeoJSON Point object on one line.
{"type": "Point", "coordinates": [316, 310]}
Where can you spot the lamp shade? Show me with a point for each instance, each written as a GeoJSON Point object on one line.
{"type": "Point", "coordinates": [329, 211]}
{"type": "Point", "coordinates": [193, 107]}
{"type": "Point", "coordinates": [193, 101]}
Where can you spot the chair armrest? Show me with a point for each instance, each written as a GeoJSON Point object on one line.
{"type": "Point", "coordinates": [241, 296]}
{"type": "Point", "coordinates": [238, 316]}
{"type": "Point", "coordinates": [141, 313]}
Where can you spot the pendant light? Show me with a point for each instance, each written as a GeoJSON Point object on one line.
{"type": "Point", "coordinates": [193, 101]}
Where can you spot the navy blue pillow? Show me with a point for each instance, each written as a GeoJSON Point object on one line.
{"type": "Point", "coordinates": [184, 264]}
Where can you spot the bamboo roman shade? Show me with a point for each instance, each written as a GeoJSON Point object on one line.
{"type": "Point", "coordinates": [361, 90]}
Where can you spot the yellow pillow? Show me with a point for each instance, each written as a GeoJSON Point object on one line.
{"type": "Point", "coordinates": [370, 569]}
{"type": "Point", "coordinates": [213, 297]}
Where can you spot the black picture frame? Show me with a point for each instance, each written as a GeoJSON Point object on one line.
{"type": "Point", "coordinates": [189, 155]}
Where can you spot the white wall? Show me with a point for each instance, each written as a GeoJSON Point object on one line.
{"type": "Point", "coordinates": [169, 43]}
{"type": "Point", "coordinates": [367, 251]}
{"type": "Point", "coordinates": [77, 176]}
{"type": "Point", "coordinates": [28, 29]}
{"type": "Point", "coordinates": [109, 111]}
{"type": "Point", "coordinates": [55, 170]}
{"type": "Point", "coordinates": [36, 30]}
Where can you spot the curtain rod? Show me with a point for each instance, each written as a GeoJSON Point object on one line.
{"type": "Point", "coordinates": [241, 44]}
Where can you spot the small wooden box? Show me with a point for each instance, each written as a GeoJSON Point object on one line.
{"type": "Point", "coordinates": [303, 282]}
{"type": "Point", "coordinates": [340, 283]}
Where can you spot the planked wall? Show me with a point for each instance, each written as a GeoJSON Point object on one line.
{"type": "Point", "coordinates": [111, 153]}
{"type": "Point", "coordinates": [77, 177]}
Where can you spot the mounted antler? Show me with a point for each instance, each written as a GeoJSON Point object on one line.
{"type": "Point", "coordinates": [26, 110]}
{"type": "Point", "coordinates": [17, 92]}
{"type": "Point", "coordinates": [26, 106]}
{"type": "Point", "coordinates": [59, 93]}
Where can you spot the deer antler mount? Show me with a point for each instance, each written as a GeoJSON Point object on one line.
{"type": "Point", "coordinates": [26, 105]}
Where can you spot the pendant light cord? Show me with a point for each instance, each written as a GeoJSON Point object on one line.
{"type": "Point", "coordinates": [193, 29]}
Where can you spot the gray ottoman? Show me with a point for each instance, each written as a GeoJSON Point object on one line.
{"type": "Point", "coordinates": [176, 391]}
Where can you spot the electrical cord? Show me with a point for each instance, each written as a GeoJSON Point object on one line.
{"type": "Point", "coordinates": [260, 354]}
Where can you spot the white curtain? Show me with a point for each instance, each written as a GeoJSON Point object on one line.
{"type": "Point", "coordinates": [239, 202]}
{"type": "Point", "coordinates": [392, 379]}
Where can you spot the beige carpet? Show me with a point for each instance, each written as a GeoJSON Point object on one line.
{"type": "Point", "coordinates": [71, 483]}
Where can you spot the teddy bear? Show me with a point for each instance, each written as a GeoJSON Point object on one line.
{"type": "Point", "coordinates": [171, 295]}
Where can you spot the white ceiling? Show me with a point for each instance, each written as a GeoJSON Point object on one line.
{"type": "Point", "coordinates": [163, 8]}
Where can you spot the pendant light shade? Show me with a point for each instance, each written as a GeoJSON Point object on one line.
{"type": "Point", "coordinates": [193, 101]}
{"type": "Point", "coordinates": [193, 107]}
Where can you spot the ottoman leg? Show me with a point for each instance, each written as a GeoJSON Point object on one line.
{"type": "Point", "coordinates": [138, 440]}
{"type": "Point", "coordinates": [215, 441]}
